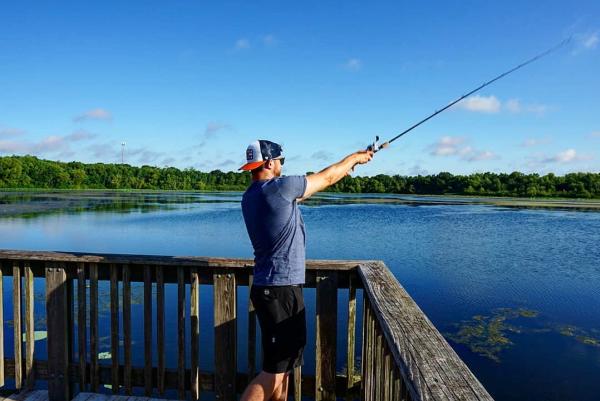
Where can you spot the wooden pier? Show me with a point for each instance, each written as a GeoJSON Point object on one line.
{"type": "Point", "coordinates": [402, 355]}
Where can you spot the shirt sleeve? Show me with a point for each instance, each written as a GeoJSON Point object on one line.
{"type": "Point", "coordinates": [292, 187]}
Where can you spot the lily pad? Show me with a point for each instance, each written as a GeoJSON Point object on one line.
{"type": "Point", "coordinates": [37, 335]}
{"type": "Point", "coordinates": [105, 355]}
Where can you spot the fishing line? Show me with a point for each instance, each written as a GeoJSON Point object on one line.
{"type": "Point", "coordinates": [375, 146]}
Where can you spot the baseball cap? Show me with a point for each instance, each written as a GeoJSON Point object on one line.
{"type": "Point", "coordinates": [260, 151]}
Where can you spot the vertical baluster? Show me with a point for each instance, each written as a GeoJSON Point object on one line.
{"type": "Point", "coordinates": [396, 390]}
{"type": "Point", "coordinates": [57, 326]}
{"type": "Point", "coordinates": [225, 335]}
{"type": "Point", "coordinates": [29, 327]}
{"type": "Point", "coordinates": [1, 327]}
{"type": "Point", "coordinates": [114, 326]}
{"type": "Point", "coordinates": [127, 328]}
{"type": "Point", "coordinates": [387, 377]}
{"type": "Point", "coordinates": [18, 340]}
{"type": "Point", "coordinates": [81, 325]}
{"type": "Point", "coordinates": [70, 313]}
{"type": "Point", "coordinates": [251, 333]}
{"type": "Point", "coordinates": [94, 367]}
{"type": "Point", "coordinates": [364, 352]}
{"type": "Point", "coordinates": [160, 330]}
{"type": "Point", "coordinates": [350, 352]}
{"type": "Point", "coordinates": [372, 366]}
{"type": "Point", "coordinates": [147, 331]}
{"type": "Point", "coordinates": [379, 363]}
{"type": "Point", "coordinates": [326, 335]}
{"type": "Point", "coordinates": [298, 383]}
{"type": "Point", "coordinates": [180, 333]}
{"type": "Point", "coordinates": [195, 332]}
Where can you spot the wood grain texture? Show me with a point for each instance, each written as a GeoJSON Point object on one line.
{"type": "Point", "coordinates": [147, 331]}
{"type": "Point", "coordinates": [195, 333]}
{"type": "Point", "coordinates": [57, 325]}
{"type": "Point", "coordinates": [94, 339]}
{"type": "Point", "coordinates": [114, 326]}
{"type": "Point", "coordinates": [429, 367]}
{"type": "Point", "coordinates": [127, 328]}
{"type": "Point", "coordinates": [181, 333]}
{"type": "Point", "coordinates": [251, 334]}
{"type": "Point", "coordinates": [351, 334]}
{"type": "Point", "coordinates": [298, 383]}
{"type": "Point", "coordinates": [82, 324]}
{"type": "Point", "coordinates": [18, 342]}
{"type": "Point", "coordinates": [29, 327]}
{"type": "Point", "coordinates": [225, 335]}
{"type": "Point", "coordinates": [326, 336]}
{"type": "Point", "coordinates": [160, 330]}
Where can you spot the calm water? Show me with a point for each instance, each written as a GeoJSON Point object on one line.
{"type": "Point", "coordinates": [516, 291]}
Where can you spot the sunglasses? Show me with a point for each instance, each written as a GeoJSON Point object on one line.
{"type": "Point", "coordinates": [281, 160]}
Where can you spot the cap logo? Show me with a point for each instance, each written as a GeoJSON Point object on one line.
{"type": "Point", "coordinates": [249, 154]}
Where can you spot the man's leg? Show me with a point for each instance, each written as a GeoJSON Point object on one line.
{"type": "Point", "coordinates": [264, 386]}
{"type": "Point", "coordinates": [280, 393]}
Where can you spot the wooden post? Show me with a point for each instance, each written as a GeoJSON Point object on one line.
{"type": "Point", "coordinates": [18, 339]}
{"type": "Point", "coordinates": [298, 383]}
{"type": "Point", "coordinates": [147, 331]}
{"type": "Point", "coordinates": [56, 321]}
{"type": "Point", "coordinates": [350, 357]}
{"type": "Point", "coordinates": [225, 336]}
{"type": "Point", "coordinates": [160, 330]}
{"type": "Point", "coordinates": [29, 327]}
{"type": "Point", "coordinates": [326, 335]}
{"type": "Point", "coordinates": [70, 326]}
{"type": "Point", "coordinates": [251, 333]}
{"type": "Point", "coordinates": [180, 333]}
{"type": "Point", "coordinates": [94, 367]}
{"type": "Point", "coordinates": [127, 328]}
{"type": "Point", "coordinates": [81, 325]}
{"type": "Point", "coordinates": [195, 333]}
{"type": "Point", "coordinates": [1, 327]}
{"type": "Point", "coordinates": [114, 326]}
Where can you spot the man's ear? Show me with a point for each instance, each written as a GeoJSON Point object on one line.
{"type": "Point", "coordinates": [269, 164]}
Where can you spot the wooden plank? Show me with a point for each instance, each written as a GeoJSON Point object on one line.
{"type": "Point", "coordinates": [326, 336]}
{"type": "Point", "coordinates": [387, 375]}
{"type": "Point", "coordinates": [364, 354]}
{"type": "Point", "coordinates": [378, 363]}
{"type": "Point", "coordinates": [94, 339]}
{"type": "Point", "coordinates": [251, 334]}
{"type": "Point", "coordinates": [225, 335]}
{"type": "Point", "coordinates": [195, 332]}
{"type": "Point", "coordinates": [160, 330]}
{"type": "Point", "coordinates": [29, 327]}
{"type": "Point", "coordinates": [371, 358]}
{"type": "Point", "coordinates": [114, 326]}
{"type": "Point", "coordinates": [430, 369]}
{"type": "Point", "coordinates": [1, 327]}
{"type": "Point", "coordinates": [18, 341]}
{"type": "Point", "coordinates": [298, 383]}
{"type": "Point", "coordinates": [351, 338]}
{"type": "Point", "coordinates": [70, 314]}
{"type": "Point", "coordinates": [57, 326]}
{"type": "Point", "coordinates": [181, 333]}
{"type": "Point", "coordinates": [127, 329]}
{"type": "Point", "coordinates": [82, 324]}
{"type": "Point", "coordinates": [148, 331]}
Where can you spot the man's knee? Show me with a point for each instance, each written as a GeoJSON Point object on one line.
{"type": "Point", "coordinates": [274, 379]}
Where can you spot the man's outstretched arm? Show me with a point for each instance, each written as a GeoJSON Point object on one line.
{"type": "Point", "coordinates": [332, 174]}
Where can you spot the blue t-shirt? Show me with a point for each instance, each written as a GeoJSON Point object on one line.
{"type": "Point", "coordinates": [276, 230]}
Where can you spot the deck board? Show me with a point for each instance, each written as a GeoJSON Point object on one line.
{"type": "Point", "coordinates": [42, 395]}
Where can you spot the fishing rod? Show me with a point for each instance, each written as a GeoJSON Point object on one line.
{"type": "Point", "coordinates": [375, 146]}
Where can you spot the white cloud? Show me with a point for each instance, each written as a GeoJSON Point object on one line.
{"type": "Point", "coordinates": [594, 135]}
{"type": "Point", "coordinates": [531, 142]}
{"type": "Point", "coordinates": [242, 44]}
{"type": "Point", "coordinates": [7, 131]}
{"type": "Point", "coordinates": [590, 41]}
{"type": "Point", "coordinates": [49, 144]}
{"type": "Point", "coordinates": [353, 64]}
{"type": "Point", "coordinates": [482, 104]}
{"type": "Point", "coordinates": [213, 127]}
{"type": "Point", "coordinates": [94, 114]}
{"type": "Point", "coordinates": [270, 40]}
{"type": "Point", "coordinates": [513, 105]}
{"type": "Point", "coordinates": [456, 146]}
{"type": "Point", "coordinates": [322, 155]}
{"type": "Point", "coordinates": [566, 156]}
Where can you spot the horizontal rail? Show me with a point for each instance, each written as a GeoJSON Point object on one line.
{"type": "Point", "coordinates": [429, 367]}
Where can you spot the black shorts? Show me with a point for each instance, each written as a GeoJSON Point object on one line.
{"type": "Point", "coordinates": [282, 319]}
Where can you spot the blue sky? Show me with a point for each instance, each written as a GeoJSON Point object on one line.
{"type": "Point", "coordinates": [189, 84]}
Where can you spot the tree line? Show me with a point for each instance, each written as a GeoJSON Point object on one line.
{"type": "Point", "coordinates": [31, 172]}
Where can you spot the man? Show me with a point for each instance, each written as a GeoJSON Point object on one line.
{"type": "Point", "coordinates": [276, 230]}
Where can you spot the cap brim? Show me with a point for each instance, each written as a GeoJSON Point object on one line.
{"type": "Point", "coordinates": [251, 166]}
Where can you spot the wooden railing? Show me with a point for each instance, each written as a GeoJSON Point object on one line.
{"type": "Point", "coordinates": [403, 356]}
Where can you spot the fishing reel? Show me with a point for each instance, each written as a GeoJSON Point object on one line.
{"type": "Point", "coordinates": [375, 146]}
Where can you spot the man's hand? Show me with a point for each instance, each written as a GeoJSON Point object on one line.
{"type": "Point", "coordinates": [364, 156]}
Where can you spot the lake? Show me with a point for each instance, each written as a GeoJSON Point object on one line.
{"type": "Point", "coordinates": [516, 291]}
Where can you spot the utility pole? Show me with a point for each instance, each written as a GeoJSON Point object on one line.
{"type": "Point", "coordinates": [122, 152]}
